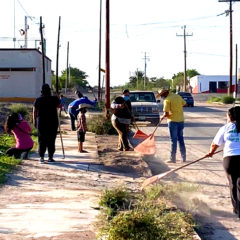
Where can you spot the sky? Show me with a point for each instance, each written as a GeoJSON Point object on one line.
{"type": "Point", "coordinates": [136, 27]}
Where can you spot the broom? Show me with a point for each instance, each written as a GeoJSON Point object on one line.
{"type": "Point", "coordinates": [162, 175]}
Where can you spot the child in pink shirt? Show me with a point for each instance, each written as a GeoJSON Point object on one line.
{"type": "Point", "coordinates": [21, 131]}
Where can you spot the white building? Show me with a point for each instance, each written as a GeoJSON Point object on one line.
{"type": "Point", "coordinates": [21, 74]}
{"type": "Point", "coordinates": [211, 83]}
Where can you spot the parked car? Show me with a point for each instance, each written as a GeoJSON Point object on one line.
{"type": "Point", "coordinates": [188, 98]}
{"type": "Point", "coordinates": [144, 106]}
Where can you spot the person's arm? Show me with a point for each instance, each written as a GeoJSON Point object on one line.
{"type": "Point", "coordinates": [166, 109]}
{"type": "Point", "coordinates": [35, 113]}
{"type": "Point", "coordinates": [217, 142]}
{"type": "Point", "coordinates": [184, 103]}
{"type": "Point", "coordinates": [165, 115]}
{"type": "Point", "coordinates": [212, 149]}
{"type": "Point", "coordinates": [114, 105]}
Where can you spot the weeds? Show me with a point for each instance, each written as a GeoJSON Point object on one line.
{"type": "Point", "coordinates": [6, 163]}
{"type": "Point", "coordinates": [115, 200]}
{"type": "Point", "coordinates": [100, 125]}
{"type": "Point", "coordinates": [20, 109]}
{"type": "Point", "coordinates": [148, 218]}
{"type": "Point", "coordinates": [223, 99]}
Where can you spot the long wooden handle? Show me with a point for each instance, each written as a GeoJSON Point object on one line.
{"type": "Point", "coordinates": [176, 169]}
{"type": "Point", "coordinates": [157, 177]}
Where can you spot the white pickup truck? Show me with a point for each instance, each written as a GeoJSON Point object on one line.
{"type": "Point", "coordinates": [144, 106]}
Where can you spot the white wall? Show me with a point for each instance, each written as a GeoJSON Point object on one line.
{"type": "Point", "coordinates": [26, 84]}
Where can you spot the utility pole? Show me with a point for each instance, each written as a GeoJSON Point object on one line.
{"type": "Point", "coordinates": [236, 73]}
{"type": "Point", "coordinates": [145, 69]}
{"type": "Point", "coordinates": [107, 86]}
{"type": "Point", "coordinates": [26, 33]}
{"type": "Point", "coordinates": [67, 79]}
{"type": "Point", "coordinates": [231, 43]}
{"type": "Point", "coordinates": [185, 55]}
{"type": "Point", "coordinates": [137, 78]}
{"type": "Point", "coordinates": [43, 55]}
{"type": "Point", "coordinates": [14, 23]}
{"type": "Point", "coordinates": [59, 27]}
{"type": "Point", "coordinates": [100, 52]}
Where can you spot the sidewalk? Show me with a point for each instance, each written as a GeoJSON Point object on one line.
{"type": "Point", "coordinates": [56, 201]}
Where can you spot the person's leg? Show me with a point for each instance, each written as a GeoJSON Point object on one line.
{"type": "Point", "coordinates": [26, 153]}
{"type": "Point", "coordinates": [72, 117]}
{"type": "Point", "coordinates": [125, 137]}
{"type": "Point", "coordinates": [238, 195]}
{"type": "Point", "coordinates": [42, 144]}
{"type": "Point", "coordinates": [80, 146]}
{"type": "Point", "coordinates": [181, 141]}
{"type": "Point", "coordinates": [51, 144]}
{"type": "Point", "coordinates": [14, 152]}
{"type": "Point", "coordinates": [116, 126]}
{"type": "Point", "coordinates": [173, 137]}
{"type": "Point", "coordinates": [230, 165]}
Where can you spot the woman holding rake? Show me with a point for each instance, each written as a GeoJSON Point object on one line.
{"type": "Point", "coordinates": [229, 136]}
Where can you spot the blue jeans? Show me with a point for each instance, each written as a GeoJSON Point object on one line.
{"type": "Point", "coordinates": [73, 116]}
{"type": "Point", "coordinates": [176, 134]}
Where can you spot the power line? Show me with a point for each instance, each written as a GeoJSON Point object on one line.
{"type": "Point", "coordinates": [24, 10]}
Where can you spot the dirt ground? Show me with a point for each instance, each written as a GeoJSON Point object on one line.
{"type": "Point", "coordinates": [210, 202]}
{"type": "Point", "coordinates": [59, 201]}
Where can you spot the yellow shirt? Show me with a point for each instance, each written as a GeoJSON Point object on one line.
{"type": "Point", "coordinates": [173, 104]}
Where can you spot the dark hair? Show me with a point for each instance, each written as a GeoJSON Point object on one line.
{"type": "Point", "coordinates": [11, 122]}
{"type": "Point", "coordinates": [234, 114]}
{"type": "Point", "coordinates": [79, 94]}
{"type": "Point", "coordinates": [119, 100]}
{"type": "Point", "coordinates": [126, 91]}
{"type": "Point", "coordinates": [83, 110]}
{"type": "Point", "coordinates": [46, 90]}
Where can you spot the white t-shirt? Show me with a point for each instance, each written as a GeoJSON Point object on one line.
{"type": "Point", "coordinates": [228, 136]}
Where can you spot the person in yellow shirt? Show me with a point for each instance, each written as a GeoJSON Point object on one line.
{"type": "Point", "coordinates": [173, 110]}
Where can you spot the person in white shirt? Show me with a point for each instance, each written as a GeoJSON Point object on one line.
{"type": "Point", "coordinates": [229, 136]}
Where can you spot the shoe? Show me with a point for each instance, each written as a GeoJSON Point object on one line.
{"type": "Point", "coordinates": [51, 160]}
{"type": "Point", "coordinates": [41, 160]}
{"type": "Point", "coordinates": [170, 161]}
{"type": "Point", "coordinates": [128, 149]}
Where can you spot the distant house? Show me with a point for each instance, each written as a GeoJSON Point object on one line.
{"type": "Point", "coordinates": [21, 75]}
{"type": "Point", "coordinates": [211, 83]}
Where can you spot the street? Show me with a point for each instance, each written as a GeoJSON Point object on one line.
{"type": "Point", "coordinates": [211, 203]}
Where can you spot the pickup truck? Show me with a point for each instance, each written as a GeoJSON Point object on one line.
{"type": "Point", "coordinates": [144, 106]}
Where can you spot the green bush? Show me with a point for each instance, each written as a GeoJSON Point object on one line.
{"type": "Point", "coordinates": [100, 125]}
{"type": "Point", "coordinates": [228, 99]}
{"type": "Point", "coordinates": [20, 109]}
{"type": "Point", "coordinates": [114, 200]}
{"type": "Point", "coordinates": [6, 163]}
{"type": "Point", "coordinates": [214, 99]}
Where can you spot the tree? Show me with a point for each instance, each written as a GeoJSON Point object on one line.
{"type": "Point", "coordinates": [77, 78]}
{"type": "Point", "coordinates": [136, 80]}
{"type": "Point", "coordinates": [178, 79]}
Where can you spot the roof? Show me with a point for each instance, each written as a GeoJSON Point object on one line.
{"type": "Point", "coordinates": [24, 49]}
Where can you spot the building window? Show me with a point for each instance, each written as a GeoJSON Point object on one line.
{"type": "Point", "coordinates": [17, 69]}
{"type": "Point", "coordinates": [222, 85]}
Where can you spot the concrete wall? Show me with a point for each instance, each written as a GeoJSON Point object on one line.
{"type": "Point", "coordinates": [22, 84]}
